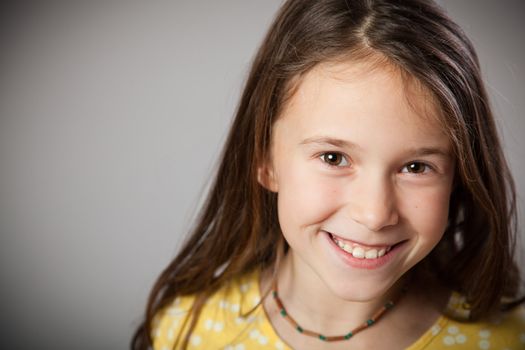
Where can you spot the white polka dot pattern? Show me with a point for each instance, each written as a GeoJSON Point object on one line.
{"type": "Point", "coordinates": [229, 321]}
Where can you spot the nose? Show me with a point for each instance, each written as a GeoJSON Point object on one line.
{"type": "Point", "coordinates": [372, 202]}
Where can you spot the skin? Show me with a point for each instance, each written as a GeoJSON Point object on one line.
{"type": "Point", "coordinates": [358, 152]}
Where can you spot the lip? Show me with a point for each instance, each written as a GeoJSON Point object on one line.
{"type": "Point", "coordinates": [377, 246]}
{"type": "Point", "coordinates": [367, 264]}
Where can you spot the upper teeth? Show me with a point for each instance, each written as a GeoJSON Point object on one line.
{"type": "Point", "coordinates": [361, 252]}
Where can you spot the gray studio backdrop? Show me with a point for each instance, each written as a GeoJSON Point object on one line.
{"type": "Point", "coordinates": [112, 115]}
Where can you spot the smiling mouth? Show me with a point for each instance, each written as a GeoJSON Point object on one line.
{"type": "Point", "coordinates": [360, 251]}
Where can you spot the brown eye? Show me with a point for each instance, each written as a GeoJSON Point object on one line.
{"type": "Point", "coordinates": [416, 167]}
{"type": "Point", "coordinates": [334, 159]}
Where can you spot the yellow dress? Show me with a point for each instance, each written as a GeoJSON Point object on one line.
{"type": "Point", "coordinates": [222, 326]}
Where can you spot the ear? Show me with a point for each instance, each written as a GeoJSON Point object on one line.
{"type": "Point", "coordinates": [266, 177]}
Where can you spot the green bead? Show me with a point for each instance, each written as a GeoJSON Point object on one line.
{"type": "Point", "coordinates": [370, 322]}
{"type": "Point", "coordinates": [322, 337]}
{"type": "Point", "coordinates": [274, 294]}
{"type": "Point", "coordinates": [348, 336]}
{"type": "Point", "coordinates": [283, 312]}
{"type": "Point", "coordinates": [389, 305]}
{"type": "Point", "coordinates": [300, 329]}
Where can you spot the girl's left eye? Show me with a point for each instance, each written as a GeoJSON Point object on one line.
{"type": "Point", "coordinates": [335, 159]}
{"type": "Point", "coordinates": [416, 168]}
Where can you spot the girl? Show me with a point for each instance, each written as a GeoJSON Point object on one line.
{"type": "Point", "coordinates": [362, 200]}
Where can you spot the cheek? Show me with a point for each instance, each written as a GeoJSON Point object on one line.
{"type": "Point", "coordinates": [304, 198]}
{"type": "Point", "coordinates": [429, 215]}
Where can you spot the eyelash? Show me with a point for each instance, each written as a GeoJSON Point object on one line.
{"type": "Point", "coordinates": [323, 155]}
{"type": "Point", "coordinates": [428, 168]}
{"type": "Point", "coordinates": [426, 165]}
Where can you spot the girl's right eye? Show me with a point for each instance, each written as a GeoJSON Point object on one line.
{"type": "Point", "coordinates": [334, 159]}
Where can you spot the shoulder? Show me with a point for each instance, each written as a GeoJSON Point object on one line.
{"type": "Point", "coordinates": [169, 322]}
{"type": "Point", "coordinates": [231, 316]}
{"type": "Point", "coordinates": [507, 331]}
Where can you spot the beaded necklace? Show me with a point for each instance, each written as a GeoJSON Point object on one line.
{"type": "Point", "coordinates": [369, 322]}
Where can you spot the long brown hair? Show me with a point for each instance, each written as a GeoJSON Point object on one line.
{"type": "Point", "coordinates": [238, 229]}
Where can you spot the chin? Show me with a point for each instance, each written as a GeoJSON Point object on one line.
{"type": "Point", "coordinates": [360, 291]}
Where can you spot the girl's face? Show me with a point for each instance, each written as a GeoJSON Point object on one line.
{"type": "Point", "coordinates": [363, 173]}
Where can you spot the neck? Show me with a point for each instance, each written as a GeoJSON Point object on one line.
{"type": "Point", "coordinates": [315, 306]}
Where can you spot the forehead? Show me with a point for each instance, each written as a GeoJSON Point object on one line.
{"type": "Point", "coordinates": [361, 88]}
{"type": "Point", "coordinates": [376, 106]}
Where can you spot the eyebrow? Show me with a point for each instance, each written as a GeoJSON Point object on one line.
{"type": "Point", "coordinates": [430, 151]}
{"type": "Point", "coordinates": [416, 152]}
{"type": "Point", "coordinates": [324, 140]}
